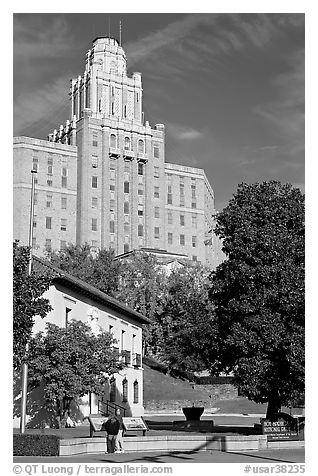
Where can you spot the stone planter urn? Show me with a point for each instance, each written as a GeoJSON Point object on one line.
{"type": "Point", "coordinates": [192, 413]}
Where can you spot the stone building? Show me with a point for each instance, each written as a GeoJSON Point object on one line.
{"type": "Point", "coordinates": [103, 178]}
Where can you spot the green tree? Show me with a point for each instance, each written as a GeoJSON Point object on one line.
{"type": "Point", "coordinates": [259, 292]}
{"type": "Point", "coordinates": [100, 270]}
{"type": "Point", "coordinates": [27, 301]}
{"type": "Point", "coordinates": [142, 287]}
{"type": "Point", "coordinates": [188, 332]}
{"type": "Point", "coordinates": [69, 363]}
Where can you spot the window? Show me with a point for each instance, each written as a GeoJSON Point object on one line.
{"type": "Point", "coordinates": [126, 247]}
{"type": "Point", "coordinates": [64, 171]}
{"type": "Point", "coordinates": [48, 245]}
{"type": "Point", "coordinates": [140, 168]}
{"type": "Point", "coordinates": [34, 221]}
{"type": "Point", "coordinates": [94, 202]}
{"type": "Point", "coordinates": [94, 161]}
{"type": "Point", "coordinates": [111, 226]}
{"type": "Point", "coordinates": [62, 245]}
{"type": "Point", "coordinates": [35, 198]}
{"type": "Point", "coordinates": [48, 223]}
{"type": "Point", "coordinates": [125, 390]}
{"type": "Point", "coordinates": [156, 192]}
{"type": "Point", "coordinates": [194, 220]}
{"type": "Point", "coordinates": [136, 392]}
{"type": "Point", "coordinates": [63, 202]}
{"type": "Point", "coordinates": [182, 240]}
{"type": "Point", "coordinates": [112, 392]}
{"type": "Point", "coordinates": [126, 228]}
{"type": "Point", "coordinates": [156, 151]}
{"type": "Point", "coordinates": [126, 208]}
{"type": "Point", "coordinates": [113, 141]}
{"type": "Point", "coordinates": [50, 166]}
{"type": "Point", "coordinates": [156, 172]}
{"type": "Point", "coordinates": [182, 201]}
{"type": "Point", "coordinates": [194, 258]}
{"type": "Point", "coordinates": [35, 164]}
{"type": "Point", "coordinates": [170, 238]}
{"type": "Point", "coordinates": [140, 191]}
{"type": "Point", "coordinates": [182, 220]}
{"type": "Point", "coordinates": [112, 205]}
{"type": "Point", "coordinates": [156, 232]}
{"type": "Point", "coordinates": [127, 143]}
{"type": "Point", "coordinates": [112, 187]}
{"type": "Point", "coordinates": [140, 230]}
{"type": "Point", "coordinates": [137, 97]}
{"type": "Point", "coordinates": [63, 224]}
{"type": "Point", "coordinates": [49, 199]}
{"type": "Point", "coordinates": [94, 181]}
{"type": "Point", "coordinates": [193, 205]}
{"type": "Point", "coordinates": [33, 242]}
{"type": "Point", "coordinates": [140, 210]}
{"type": "Point", "coordinates": [157, 212]}
{"type": "Point", "coordinates": [194, 241]}
{"type": "Point", "coordinates": [112, 109]}
{"type": "Point", "coordinates": [94, 142]}
{"type": "Point", "coordinates": [193, 191]}
{"type": "Point", "coordinates": [94, 224]}
{"type": "Point", "coordinates": [64, 182]}
{"type": "Point", "coordinates": [141, 146]}
{"type": "Point", "coordinates": [49, 182]}
{"type": "Point", "coordinates": [170, 219]}
{"type": "Point", "coordinates": [169, 196]}
{"type": "Point", "coordinates": [126, 187]}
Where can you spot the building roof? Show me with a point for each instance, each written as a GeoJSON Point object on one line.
{"type": "Point", "coordinates": [159, 253]}
{"type": "Point", "coordinates": [60, 276]}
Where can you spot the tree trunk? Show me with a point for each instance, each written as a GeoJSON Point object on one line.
{"type": "Point", "coordinates": [273, 407]}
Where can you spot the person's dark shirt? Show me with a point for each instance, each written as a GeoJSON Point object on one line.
{"type": "Point", "coordinates": [112, 425]}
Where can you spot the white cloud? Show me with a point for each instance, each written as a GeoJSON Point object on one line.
{"type": "Point", "coordinates": [31, 108]}
{"type": "Point", "coordinates": [181, 132]}
{"type": "Point", "coordinates": [287, 113]}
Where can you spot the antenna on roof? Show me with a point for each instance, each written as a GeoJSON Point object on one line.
{"type": "Point", "coordinates": [120, 33]}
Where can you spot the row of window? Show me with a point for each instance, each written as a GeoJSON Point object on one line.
{"type": "Point", "coordinates": [113, 390]}
{"type": "Point", "coordinates": [49, 171]}
{"type": "Point", "coordinates": [48, 223]}
{"type": "Point", "coordinates": [114, 144]}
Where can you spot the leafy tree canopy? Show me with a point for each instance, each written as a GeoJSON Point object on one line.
{"type": "Point", "coordinates": [70, 362]}
{"type": "Point", "coordinates": [27, 300]}
{"type": "Point", "coordinates": [186, 326]}
{"type": "Point", "coordinates": [259, 292]}
{"type": "Point", "coordinates": [99, 270]}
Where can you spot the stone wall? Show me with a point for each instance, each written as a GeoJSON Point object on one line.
{"type": "Point", "coordinates": [216, 392]}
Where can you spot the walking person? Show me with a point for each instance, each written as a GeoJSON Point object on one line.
{"type": "Point", "coordinates": [119, 439]}
{"type": "Point", "coordinates": [111, 426]}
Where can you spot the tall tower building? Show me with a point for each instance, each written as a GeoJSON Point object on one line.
{"type": "Point", "coordinates": [127, 196]}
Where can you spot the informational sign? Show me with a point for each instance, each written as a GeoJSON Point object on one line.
{"type": "Point", "coordinates": [135, 424]}
{"type": "Point", "coordinates": [96, 422]}
{"type": "Point", "coordinates": [280, 430]}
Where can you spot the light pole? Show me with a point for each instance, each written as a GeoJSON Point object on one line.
{"type": "Point", "coordinates": [25, 365]}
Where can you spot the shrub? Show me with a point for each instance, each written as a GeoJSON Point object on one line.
{"type": "Point", "coordinates": [36, 445]}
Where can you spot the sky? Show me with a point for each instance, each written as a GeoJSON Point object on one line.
{"type": "Point", "coordinates": [228, 86]}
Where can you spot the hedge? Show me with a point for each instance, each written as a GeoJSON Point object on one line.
{"type": "Point", "coordinates": [36, 445]}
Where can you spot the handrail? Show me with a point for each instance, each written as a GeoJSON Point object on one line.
{"type": "Point", "coordinates": [111, 407]}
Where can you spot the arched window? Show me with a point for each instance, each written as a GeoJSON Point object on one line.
{"type": "Point", "coordinates": [141, 146]}
{"type": "Point", "coordinates": [136, 391]}
{"type": "Point", "coordinates": [113, 141]}
{"type": "Point", "coordinates": [127, 143]}
{"type": "Point", "coordinates": [112, 393]}
{"type": "Point", "coordinates": [125, 390]}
